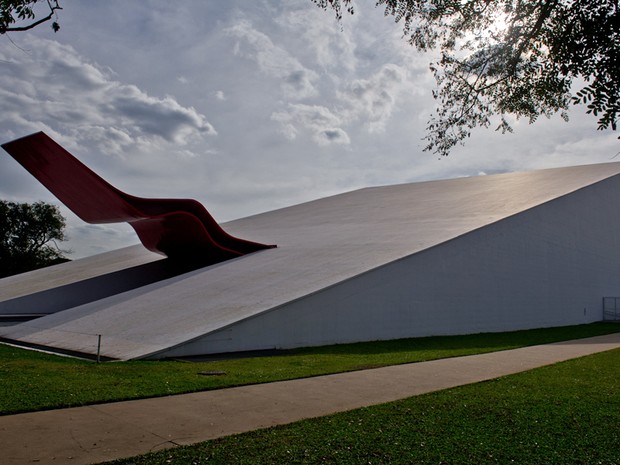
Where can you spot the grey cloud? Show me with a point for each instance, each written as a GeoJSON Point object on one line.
{"type": "Point", "coordinates": [78, 75]}
{"type": "Point", "coordinates": [107, 139]}
{"type": "Point", "coordinates": [299, 83]}
{"type": "Point", "coordinates": [57, 88]}
{"type": "Point", "coordinates": [89, 239]}
{"type": "Point", "coordinates": [159, 117]}
{"type": "Point", "coordinates": [332, 136]}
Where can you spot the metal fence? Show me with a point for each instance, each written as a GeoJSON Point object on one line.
{"type": "Point", "coordinates": [611, 308]}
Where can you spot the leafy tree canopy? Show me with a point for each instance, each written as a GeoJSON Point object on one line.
{"type": "Point", "coordinates": [524, 58]}
{"type": "Point", "coordinates": [28, 235]}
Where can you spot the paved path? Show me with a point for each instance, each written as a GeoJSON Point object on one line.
{"type": "Point", "coordinates": [104, 432]}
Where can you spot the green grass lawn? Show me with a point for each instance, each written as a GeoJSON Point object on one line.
{"type": "Point", "coordinates": [564, 414]}
{"type": "Point", "coordinates": [32, 381]}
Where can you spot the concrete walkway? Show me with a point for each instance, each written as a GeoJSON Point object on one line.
{"type": "Point", "coordinates": [99, 433]}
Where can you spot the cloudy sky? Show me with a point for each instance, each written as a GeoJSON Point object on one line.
{"type": "Point", "coordinates": [246, 106]}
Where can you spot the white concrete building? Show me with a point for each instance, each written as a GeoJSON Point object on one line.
{"type": "Point", "coordinates": [490, 253]}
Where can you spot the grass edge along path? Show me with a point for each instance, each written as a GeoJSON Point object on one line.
{"type": "Point", "coordinates": [34, 381]}
{"type": "Point", "coordinates": [564, 414]}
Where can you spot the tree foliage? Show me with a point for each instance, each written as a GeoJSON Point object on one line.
{"type": "Point", "coordinates": [524, 58]}
{"type": "Point", "coordinates": [19, 15]}
{"type": "Point", "coordinates": [28, 235]}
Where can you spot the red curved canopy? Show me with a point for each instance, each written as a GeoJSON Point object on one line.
{"type": "Point", "coordinates": [178, 228]}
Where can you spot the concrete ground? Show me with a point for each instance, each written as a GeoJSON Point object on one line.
{"type": "Point", "coordinates": [105, 432]}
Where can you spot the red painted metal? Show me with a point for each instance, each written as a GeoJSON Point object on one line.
{"type": "Point", "coordinates": [178, 228]}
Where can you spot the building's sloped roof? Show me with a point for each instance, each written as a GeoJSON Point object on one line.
{"type": "Point", "coordinates": [320, 244]}
{"type": "Point", "coordinates": [44, 279]}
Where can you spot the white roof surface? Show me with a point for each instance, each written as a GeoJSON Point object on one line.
{"type": "Point", "coordinates": [77, 270]}
{"type": "Point", "coordinates": [320, 244]}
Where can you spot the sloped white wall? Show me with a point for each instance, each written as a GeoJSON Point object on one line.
{"type": "Point", "coordinates": [549, 266]}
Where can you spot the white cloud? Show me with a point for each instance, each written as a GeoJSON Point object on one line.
{"type": "Point", "coordinates": [332, 45]}
{"type": "Point", "coordinates": [55, 89]}
{"type": "Point", "coordinates": [342, 102]}
{"type": "Point", "coordinates": [297, 81]}
{"type": "Point", "coordinates": [369, 101]}
{"type": "Point", "coordinates": [373, 100]}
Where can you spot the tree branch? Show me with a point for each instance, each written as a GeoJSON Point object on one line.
{"type": "Point", "coordinates": [53, 9]}
{"type": "Point", "coordinates": [545, 11]}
